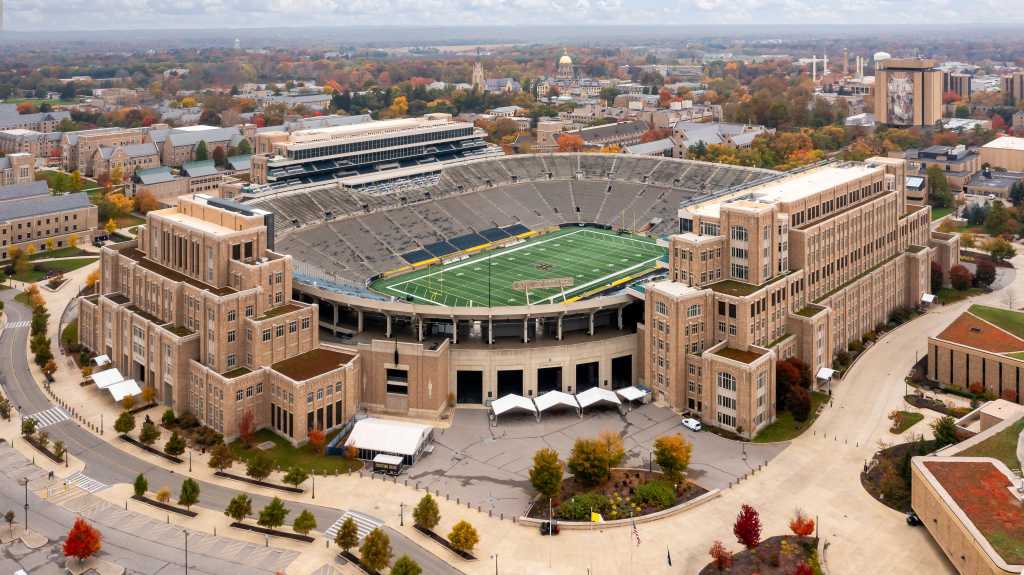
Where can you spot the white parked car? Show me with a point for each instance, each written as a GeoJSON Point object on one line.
{"type": "Point", "coordinates": [691, 424]}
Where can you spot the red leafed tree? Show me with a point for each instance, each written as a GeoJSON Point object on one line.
{"type": "Point", "coordinates": [83, 541]}
{"type": "Point", "coordinates": [1010, 395]}
{"type": "Point", "coordinates": [801, 525]}
{"type": "Point", "coordinates": [655, 134]}
{"type": "Point", "coordinates": [998, 123]}
{"type": "Point", "coordinates": [317, 439]}
{"type": "Point", "coordinates": [247, 427]}
{"type": "Point", "coordinates": [721, 556]}
{"type": "Point", "coordinates": [803, 569]}
{"type": "Point", "coordinates": [960, 277]}
{"type": "Point", "coordinates": [747, 528]}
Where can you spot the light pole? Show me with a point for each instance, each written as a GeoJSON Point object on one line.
{"type": "Point", "coordinates": [312, 475]}
{"type": "Point", "coordinates": [496, 564]}
{"type": "Point", "coordinates": [101, 423]}
{"type": "Point", "coordinates": [401, 514]}
{"type": "Point", "coordinates": [25, 483]}
{"type": "Point", "coordinates": [650, 462]}
{"type": "Point", "coordinates": [186, 550]}
{"type": "Point", "coordinates": [190, 460]}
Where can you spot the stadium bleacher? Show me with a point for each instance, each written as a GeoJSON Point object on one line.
{"type": "Point", "coordinates": [354, 234]}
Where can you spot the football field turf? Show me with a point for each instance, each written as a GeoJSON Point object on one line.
{"type": "Point", "coordinates": [593, 258]}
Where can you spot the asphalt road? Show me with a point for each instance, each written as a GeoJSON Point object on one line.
{"type": "Point", "coordinates": [109, 464]}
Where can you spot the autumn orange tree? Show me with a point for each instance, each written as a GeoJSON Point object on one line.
{"type": "Point", "coordinates": [801, 525]}
{"type": "Point", "coordinates": [570, 143]}
{"type": "Point", "coordinates": [721, 556]}
{"type": "Point", "coordinates": [317, 439]}
{"type": "Point", "coordinates": [83, 541]}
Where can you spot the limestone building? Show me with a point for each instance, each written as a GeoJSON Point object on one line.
{"type": "Point", "coordinates": [31, 216]}
{"type": "Point", "coordinates": [908, 92]}
{"type": "Point", "coordinates": [799, 266]}
{"type": "Point", "coordinates": [199, 308]}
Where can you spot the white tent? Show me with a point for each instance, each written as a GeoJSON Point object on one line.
{"type": "Point", "coordinates": [101, 360]}
{"type": "Point", "coordinates": [825, 373]}
{"type": "Point", "coordinates": [373, 436]}
{"type": "Point", "coordinates": [631, 393]}
{"type": "Point", "coordinates": [597, 395]}
{"type": "Point", "coordinates": [927, 298]}
{"type": "Point", "coordinates": [106, 378]}
{"type": "Point", "coordinates": [124, 388]}
{"type": "Point", "coordinates": [555, 398]}
{"type": "Point", "coordinates": [510, 402]}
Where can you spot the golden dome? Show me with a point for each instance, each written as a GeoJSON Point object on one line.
{"type": "Point", "coordinates": [565, 60]}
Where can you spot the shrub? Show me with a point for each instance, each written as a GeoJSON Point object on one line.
{"type": "Point", "coordinates": [579, 507]}
{"type": "Point", "coordinates": [140, 486]}
{"type": "Point", "coordinates": [175, 445]}
{"type": "Point", "coordinates": [188, 421]}
{"type": "Point", "coordinates": [149, 433]}
{"type": "Point", "coordinates": [125, 423]}
{"type": "Point", "coordinates": [405, 566]}
{"type": "Point", "coordinates": [960, 277]}
{"type": "Point", "coordinates": [168, 417]}
{"type": "Point", "coordinates": [657, 494]}
{"type": "Point", "coordinates": [208, 437]}
{"type": "Point", "coordinates": [801, 525]}
{"type": "Point", "coordinates": [945, 431]}
{"type": "Point", "coordinates": [163, 495]}
{"type": "Point", "coordinates": [798, 402]}
{"type": "Point", "coordinates": [721, 556]}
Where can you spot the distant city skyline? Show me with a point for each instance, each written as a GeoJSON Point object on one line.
{"type": "Point", "coordinates": [43, 15]}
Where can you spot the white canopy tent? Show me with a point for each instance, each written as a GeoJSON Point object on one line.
{"type": "Point", "coordinates": [123, 389]}
{"type": "Point", "coordinates": [631, 393]}
{"type": "Point", "coordinates": [928, 298]}
{"type": "Point", "coordinates": [372, 437]}
{"type": "Point", "coordinates": [826, 373]}
{"type": "Point", "coordinates": [509, 402]}
{"type": "Point", "coordinates": [101, 360]}
{"type": "Point", "coordinates": [106, 378]}
{"type": "Point", "coordinates": [596, 395]}
{"type": "Point", "coordinates": [555, 398]}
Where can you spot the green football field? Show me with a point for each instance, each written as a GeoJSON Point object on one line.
{"type": "Point", "coordinates": [593, 258]}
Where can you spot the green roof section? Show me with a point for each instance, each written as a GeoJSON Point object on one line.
{"type": "Point", "coordinates": [1006, 319]}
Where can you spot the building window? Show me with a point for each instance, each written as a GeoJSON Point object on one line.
{"type": "Point", "coordinates": [305, 323]}
{"type": "Point", "coordinates": [231, 360]}
{"type": "Point", "coordinates": [661, 308]}
{"type": "Point", "coordinates": [266, 335]}
{"type": "Point", "coordinates": [259, 388]}
{"type": "Point", "coordinates": [293, 327]}
{"type": "Point", "coordinates": [693, 311]}
{"type": "Point", "coordinates": [309, 397]}
{"type": "Point", "coordinates": [238, 395]}
{"type": "Point", "coordinates": [248, 311]}
{"type": "Point", "coordinates": [739, 233]}
{"type": "Point", "coordinates": [232, 315]}
{"type": "Point", "coordinates": [726, 381]}
{"type": "Point", "coordinates": [319, 394]}
{"type": "Point", "coordinates": [231, 336]}
{"type": "Point", "coordinates": [248, 391]}
{"type": "Point", "coordinates": [279, 329]}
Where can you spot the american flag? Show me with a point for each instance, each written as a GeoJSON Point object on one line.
{"type": "Point", "coordinates": [636, 534]}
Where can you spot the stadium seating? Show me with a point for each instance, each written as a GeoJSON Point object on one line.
{"type": "Point", "coordinates": [353, 234]}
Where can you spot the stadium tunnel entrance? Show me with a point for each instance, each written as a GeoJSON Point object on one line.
{"type": "Point", "coordinates": [469, 386]}
{"type": "Point", "coordinates": [622, 371]}
{"type": "Point", "coordinates": [510, 382]}
{"type": "Point", "coordinates": [549, 379]}
{"type": "Point", "coordinates": [586, 376]}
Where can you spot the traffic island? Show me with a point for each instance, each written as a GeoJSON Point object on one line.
{"type": "Point", "coordinates": [165, 506]}
{"type": "Point", "coordinates": [258, 482]}
{"type": "Point", "coordinates": [45, 450]}
{"type": "Point", "coordinates": [348, 556]}
{"type": "Point", "coordinates": [448, 544]}
{"type": "Point", "coordinates": [150, 449]}
{"type": "Point", "coordinates": [273, 532]}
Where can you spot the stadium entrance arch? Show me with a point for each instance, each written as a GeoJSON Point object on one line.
{"type": "Point", "coordinates": [469, 387]}
{"type": "Point", "coordinates": [549, 379]}
{"type": "Point", "coordinates": [510, 382]}
{"type": "Point", "coordinates": [586, 376]}
{"type": "Point", "coordinates": [622, 371]}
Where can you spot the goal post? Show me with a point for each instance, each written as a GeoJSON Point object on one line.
{"type": "Point", "coordinates": [548, 283]}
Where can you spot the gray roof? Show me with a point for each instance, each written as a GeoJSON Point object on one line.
{"type": "Point", "coordinates": [9, 116]}
{"type": "Point", "coordinates": [133, 150]}
{"type": "Point", "coordinates": [22, 191]}
{"type": "Point", "coordinates": [202, 168]}
{"type": "Point", "coordinates": [317, 122]}
{"type": "Point", "coordinates": [193, 137]}
{"type": "Point", "coordinates": [646, 148]}
{"type": "Point", "coordinates": [154, 175]}
{"type": "Point", "coordinates": [5, 163]}
{"type": "Point", "coordinates": [240, 162]}
{"type": "Point", "coordinates": [73, 136]}
{"type": "Point", "coordinates": [43, 205]}
{"type": "Point", "coordinates": [628, 128]}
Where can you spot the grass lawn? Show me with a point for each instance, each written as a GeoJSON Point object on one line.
{"type": "Point", "coordinates": [68, 252]}
{"type": "Point", "coordinates": [785, 428]}
{"type": "Point", "coordinates": [22, 298]}
{"type": "Point", "coordinates": [950, 295]}
{"type": "Point", "coordinates": [286, 456]}
{"type": "Point", "coordinates": [906, 420]}
{"type": "Point", "coordinates": [52, 178]}
{"type": "Point", "coordinates": [940, 212]}
{"type": "Point", "coordinates": [70, 333]}
{"type": "Point", "coordinates": [1002, 446]}
{"type": "Point", "coordinates": [591, 259]}
{"type": "Point", "coordinates": [1009, 320]}
{"type": "Point", "coordinates": [38, 271]}
{"type": "Point", "coordinates": [38, 101]}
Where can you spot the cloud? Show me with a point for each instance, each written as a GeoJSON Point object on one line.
{"type": "Point", "coordinates": [108, 14]}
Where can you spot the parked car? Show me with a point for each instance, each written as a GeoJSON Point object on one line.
{"type": "Point", "coordinates": [913, 520]}
{"type": "Point", "coordinates": [691, 424]}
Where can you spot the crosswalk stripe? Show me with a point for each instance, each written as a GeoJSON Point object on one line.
{"type": "Point", "coordinates": [85, 482]}
{"type": "Point", "coordinates": [17, 324]}
{"type": "Point", "coordinates": [364, 524]}
{"type": "Point", "coordinates": [49, 417]}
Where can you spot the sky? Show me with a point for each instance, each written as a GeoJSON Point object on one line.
{"type": "Point", "coordinates": [32, 15]}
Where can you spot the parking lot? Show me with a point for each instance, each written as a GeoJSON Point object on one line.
{"type": "Point", "coordinates": [489, 466]}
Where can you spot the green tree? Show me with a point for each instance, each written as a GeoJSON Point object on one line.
{"type": "Point", "coordinates": [239, 507]}
{"type": "Point", "coordinates": [201, 152]}
{"type": "Point", "coordinates": [221, 457]}
{"type": "Point", "coordinates": [1000, 249]}
{"type": "Point", "coordinates": [124, 423]}
{"type": "Point", "coordinates": [189, 493]}
{"type": "Point", "coordinates": [944, 429]}
{"type": "Point", "coordinates": [259, 466]}
{"type": "Point", "coordinates": [304, 523]}
{"type": "Point", "coordinates": [546, 473]}
{"type": "Point", "coordinates": [28, 427]}
{"type": "Point", "coordinates": [149, 433]}
{"type": "Point", "coordinates": [296, 476]}
{"type": "Point", "coordinates": [997, 219]}
{"type": "Point", "coordinates": [672, 452]}
{"type": "Point", "coordinates": [405, 566]}
{"type": "Point", "coordinates": [175, 445]}
{"type": "Point", "coordinates": [273, 515]}
{"type": "Point", "coordinates": [348, 535]}
{"type": "Point", "coordinates": [244, 149]}
{"type": "Point", "coordinates": [588, 462]}
{"type": "Point", "coordinates": [463, 536]}
{"type": "Point", "coordinates": [426, 515]}
{"type": "Point", "coordinates": [939, 195]}
{"type": "Point", "coordinates": [140, 486]}
{"type": "Point", "coordinates": [375, 552]}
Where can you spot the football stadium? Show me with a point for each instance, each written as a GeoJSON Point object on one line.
{"type": "Point", "coordinates": [461, 283]}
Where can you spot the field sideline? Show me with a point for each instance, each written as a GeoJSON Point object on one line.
{"type": "Point", "coordinates": [592, 257]}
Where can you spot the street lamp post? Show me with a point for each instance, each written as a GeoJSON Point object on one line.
{"type": "Point", "coordinates": [312, 475]}
{"type": "Point", "coordinates": [496, 564]}
{"type": "Point", "coordinates": [186, 551]}
{"type": "Point", "coordinates": [190, 460]}
{"type": "Point", "coordinates": [401, 514]}
{"type": "Point", "coordinates": [25, 483]}
{"type": "Point", "coordinates": [650, 462]}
